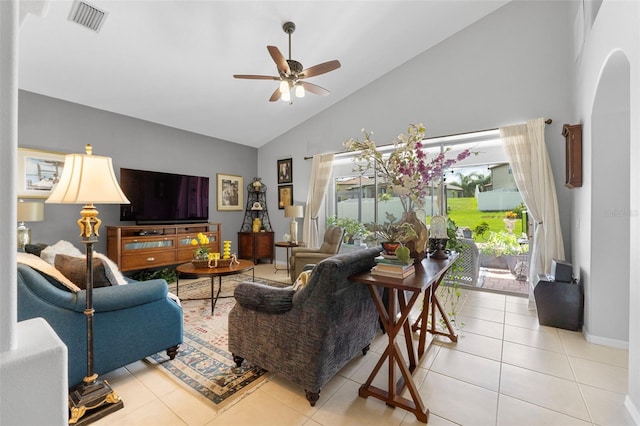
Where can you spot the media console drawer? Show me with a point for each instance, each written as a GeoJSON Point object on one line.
{"type": "Point", "coordinates": [148, 260]}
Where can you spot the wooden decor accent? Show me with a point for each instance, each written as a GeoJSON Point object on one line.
{"type": "Point", "coordinates": [255, 245]}
{"type": "Point", "coordinates": [149, 246]}
{"type": "Point", "coordinates": [573, 146]}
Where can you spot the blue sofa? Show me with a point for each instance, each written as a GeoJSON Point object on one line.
{"type": "Point", "coordinates": [131, 321]}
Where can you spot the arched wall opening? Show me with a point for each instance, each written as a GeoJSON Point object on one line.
{"type": "Point", "coordinates": [607, 290]}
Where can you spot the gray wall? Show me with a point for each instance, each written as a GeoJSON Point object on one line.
{"type": "Point", "coordinates": [513, 65]}
{"type": "Point", "coordinates": [55, 125]}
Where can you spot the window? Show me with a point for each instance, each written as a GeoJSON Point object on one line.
{"type": "Point", "coordinates": [478, 190]}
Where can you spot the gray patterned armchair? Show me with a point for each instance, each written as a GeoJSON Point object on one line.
{"type": "Point", "coordinates": [307, 335]}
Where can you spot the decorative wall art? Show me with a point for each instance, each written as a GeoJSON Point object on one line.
{"type": "Point", "coordinates": [285, 171]}
{"type": "Point", "coordinates": [38, 172]}
{"type": "Point", "coordinates": [230, 192]}
{"type": "Point", "coordinates": [285, 196]}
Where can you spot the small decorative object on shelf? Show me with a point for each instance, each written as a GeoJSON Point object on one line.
{"type": "Point", "coordinates": [226, 250]}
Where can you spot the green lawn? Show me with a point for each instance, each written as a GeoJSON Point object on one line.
{"type": "Point", "coordinates": [464, 212]}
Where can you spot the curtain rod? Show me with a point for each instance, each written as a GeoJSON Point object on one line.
{"type": "Point", "coordinates": [547, 121]}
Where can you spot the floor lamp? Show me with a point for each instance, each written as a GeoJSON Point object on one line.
{"type": "Point", "coordinates": [88, 179]}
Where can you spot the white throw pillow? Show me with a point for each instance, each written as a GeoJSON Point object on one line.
{"type": "Point", "coordinates": [61, 247]}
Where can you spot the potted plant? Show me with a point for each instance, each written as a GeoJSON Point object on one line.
{"type": "Point", "coordinates": [510, 218]}
{"type": "Point", "coordinates": [391, 233]}
{"type": "Point", "coordinates": [500, 251]}
{"type": "Point", "coordinates": [353, 229]}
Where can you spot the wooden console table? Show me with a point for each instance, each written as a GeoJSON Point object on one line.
{"type": "Point", "coordinates": [137, 247]}
{"type": "Point", "coordinates": [429, 274]}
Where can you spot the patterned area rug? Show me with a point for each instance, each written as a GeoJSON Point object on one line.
{"type": "Point", "coordinates": [203, 362]}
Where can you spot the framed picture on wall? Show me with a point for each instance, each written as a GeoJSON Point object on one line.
{"type": "Point", "coordinates": [285, 196]}
{"type": "Point", "coordinates": [285, 171]}
{"type": "Point", "coordinates": [38, 172]}
{"type": "Point", "coordinates": [230, 192]}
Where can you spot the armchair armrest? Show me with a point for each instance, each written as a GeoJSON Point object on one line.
{"type": "Point", "coordinates": [311, 257]}
{"type": "Point", "coordinates": [124, 296]}
{"type": "Point", "coordinates": [263, 298]}
{"type": "Point", "coordinates": [300, 250]}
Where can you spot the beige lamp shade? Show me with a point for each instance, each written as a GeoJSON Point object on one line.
{"type": "Point", "coordinates": [293, 211]}
{"type": "Point", "coordinates": [87, 179]}
{"type": "Point", "coordinates": [30, 211]}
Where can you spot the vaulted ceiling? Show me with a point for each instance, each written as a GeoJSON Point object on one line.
{"type": "Point", "coordinates": [172, 62]}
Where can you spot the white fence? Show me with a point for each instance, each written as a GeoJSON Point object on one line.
{"type": "Point", "coordinates": [349, 208]}
{"type": "Point", "coordinates": [498, 200]}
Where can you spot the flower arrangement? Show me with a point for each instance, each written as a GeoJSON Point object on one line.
{"type": "Point", "coordinates": [407, 170]}
{"type": "Point", "coordinates": [510, 215]}
{"type": "Point", "coordinates": [202, 243]}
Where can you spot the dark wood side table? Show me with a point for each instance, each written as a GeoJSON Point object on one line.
{"type": "Point", "coordinates": [429, 274]}
{"type": "Point", "coordinates": [255, 246]}
{"type": "Point", "coordinates": [189, 269]}
{"type": "Point", "coordinates": [287, 245]}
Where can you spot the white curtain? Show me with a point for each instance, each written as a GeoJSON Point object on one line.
{"type": "Point", "coordinates": [318, 183]}
{"type": "Point", "coordinates": [529, 160]}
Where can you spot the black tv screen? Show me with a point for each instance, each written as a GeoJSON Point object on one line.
{"type": "Point", "coordinates": [162, 198]}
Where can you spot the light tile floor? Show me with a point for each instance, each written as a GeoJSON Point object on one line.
{"type": "Point", "coordinates": [504, 370]}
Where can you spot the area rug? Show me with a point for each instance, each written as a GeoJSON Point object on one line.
{"type": "Point", "coordinates": [203, 362]}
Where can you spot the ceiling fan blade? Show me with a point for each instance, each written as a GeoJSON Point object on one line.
{"type": "Point", "coordinates": [275, 96]}
{"type": "Point", "coordinates": [314, 88]}
{"type": "Point", "coordinates": [279, 59]}
{"type": "Point", "coordinates": [320, 68]}
{"type": "Point", "coordinates": [256, 77]}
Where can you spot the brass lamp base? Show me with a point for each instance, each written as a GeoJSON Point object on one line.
{"type": "Point", "coordinates": [89, 402]}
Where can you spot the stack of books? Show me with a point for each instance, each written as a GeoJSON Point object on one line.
{"type": "Point", "coordinates": [390, 266]}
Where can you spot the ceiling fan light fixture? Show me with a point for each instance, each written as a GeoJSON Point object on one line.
{"type": "Point", "coordinates": [284, 86]}
{"type": "Point", "coordinates": [291, 73]}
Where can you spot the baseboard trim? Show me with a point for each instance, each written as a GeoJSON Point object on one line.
{"type": "Point", "coordinates": [605, 341]}
{"type": "Point", "coordinates": [634, 411]}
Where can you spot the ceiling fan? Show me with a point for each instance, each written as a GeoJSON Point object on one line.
{"type": "Point", "coordinates": [292, 74]}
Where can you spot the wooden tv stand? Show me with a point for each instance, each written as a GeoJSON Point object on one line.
{"type": "Point", "coordinates": [149, 246]}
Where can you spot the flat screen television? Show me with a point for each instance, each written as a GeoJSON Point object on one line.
{"type": "Point", "coordinates": [163, 198]}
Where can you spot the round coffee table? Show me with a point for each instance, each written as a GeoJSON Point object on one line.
{"type": "Point", "coordinates": [189, 269]}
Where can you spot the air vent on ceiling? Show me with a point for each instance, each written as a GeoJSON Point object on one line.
{"type": "Point", "coordinates": [87, 15]}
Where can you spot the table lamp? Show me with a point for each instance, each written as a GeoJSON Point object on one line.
{"type": "Point", "coordinates": [88, 179]}
{"type": "Point", "coordinates": [28, 212]}
{"type": "Point", "coordinates": [294, 212]}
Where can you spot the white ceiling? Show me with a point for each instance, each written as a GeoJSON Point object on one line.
{"type": "Point", "coordinates": [171, 62]}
